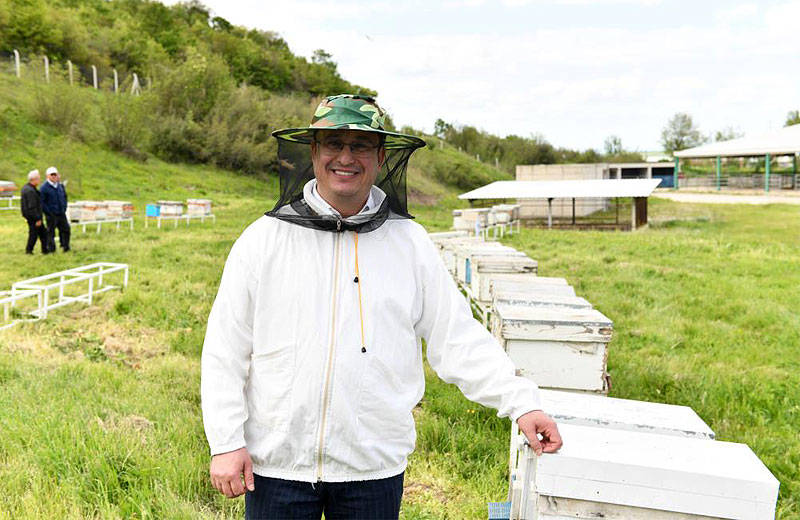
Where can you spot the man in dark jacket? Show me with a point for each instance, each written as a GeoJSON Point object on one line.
{"type": "Point", "coordinates": [54, 204]}
{"type": "Point", "coordinates": [31, 206]}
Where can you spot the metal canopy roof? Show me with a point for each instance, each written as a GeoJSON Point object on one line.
{"type": "Point", "coordinates": [777, 142]}
{"type": "Point", "coordinates": [577, 189]}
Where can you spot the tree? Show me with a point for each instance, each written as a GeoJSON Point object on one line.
{"type": "Point", "coordinates": [441, 128]}
{"type": "Point", "coordinates": [613, 145]}
{"type": "Point", "coordinates": [726, 134]}
{"type": "Point", "coordinates": [680, 133]}
{"type": "Point", "coordinates": [792, 118]}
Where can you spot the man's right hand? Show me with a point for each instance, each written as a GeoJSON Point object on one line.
{"type": "Point", "coordinates": [38, 223]}
{"type": "Point", "coordinates": [232, 472]}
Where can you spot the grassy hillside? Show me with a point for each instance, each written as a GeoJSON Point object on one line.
{"type": "Point", "coordinates": [101, 417]}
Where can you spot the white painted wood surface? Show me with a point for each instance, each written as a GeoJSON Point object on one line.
{"type": "Point", "coordinates": [465, 251]}
{"type": "Point", "coordinates": [624, 414]}
{"type": "Point", "coordinates": [485, 268]}
{"type": "Point", "coordinates": [536, 300]}
{"type": "Point", "coordinates": [560, 348]}
{"type": "Point", "coordinates": [447, 248]}
{"type": "Point", "coordinates": [441, 235]}
{"type": "Point", "coordinates": [661, 472]}
{"type": "Point", "coordinates": [522, 282]}
{"type": "Point", "coordinates": [500, 260]}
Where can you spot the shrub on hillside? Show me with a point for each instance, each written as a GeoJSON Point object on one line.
{"type": "Point", "coordinates": [62, 106]}
{"type": "Point", "coordinates": [124, 123]}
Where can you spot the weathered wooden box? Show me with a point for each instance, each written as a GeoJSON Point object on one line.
{"type": "Point", "coordinates": [486, 268]}
{"type": "Point", "coordinates": [170, 208]}
{"type": "Point", "coordinates": [603, 473]}
{"type": "Point", "coordinates": [506, 213]}
{"type": "Point", "coordinates": [7, 188]}
{"type": "Point", "coordinates": [465, 252]}
{"type": "Point", "coordinates": [471, 219]}
{"type": "Point", "coordinates": [522, 282]}
{"type": "Point", "coordinates": [443, 235]}
{"type": "Point", "coordinates": [118, 209]}
{"type": "Point", "coordinates": [447, 249]}
{"type": "Point", "coordinates": [557, 348]}
{"type": "Point", "coordinates": [624, 414]}
{"type": "Point", "coordinates": [539, 300]}
{"type": "Point", "coordinates": [93, 210]}
{"type": "Point", "coordinates": [198, 207]}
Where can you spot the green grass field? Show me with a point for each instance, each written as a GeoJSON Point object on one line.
{"type": "Point", "coordinates": [100, 411]}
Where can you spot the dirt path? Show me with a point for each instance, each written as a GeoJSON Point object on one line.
{"type": "Point", "coordinates": [728, 198]}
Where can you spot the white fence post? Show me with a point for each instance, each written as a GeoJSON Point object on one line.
{"type": "Point", "coordinates": [46, 69]}
{"type": "Point", "coordinates": [116, 81]}
{"type": "Point", "coordinates": [94, 76]}
{"type": "Point", "coordinates": [16, 61]}
{"type": "Point", "coordinates": [69, 66]}
{"type": "Point", "coordinates": [135, 88]}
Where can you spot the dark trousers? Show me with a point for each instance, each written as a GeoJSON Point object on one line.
{"type": "Point", "coordinates": [36, 232]}
{"type": "Point", "coordinates": [288, 499]}
{"type": "Point", "coordinates": [60, 222]}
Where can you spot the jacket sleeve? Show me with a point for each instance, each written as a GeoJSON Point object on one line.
{"type": "Point", "coordinates": [227, 350]}
{"type": "Point", "coordinates": [46, 194]}
{"type": "Point", "coordinates": [28, 204]}
{"type": "Point", "coordinates": [461, 351]}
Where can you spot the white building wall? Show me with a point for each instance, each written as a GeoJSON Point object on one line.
{"type": "Point", "coordinates": [562, 208]}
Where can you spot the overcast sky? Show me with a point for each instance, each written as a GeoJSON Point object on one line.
{"type": "Point", "coordinates": [574, 71]}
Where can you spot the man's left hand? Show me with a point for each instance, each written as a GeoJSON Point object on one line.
{"type": "Point", "coordinates": [538, 422]}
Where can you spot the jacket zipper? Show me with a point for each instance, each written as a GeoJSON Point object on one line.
{"type": "Point", "coordinates": [331, 344]}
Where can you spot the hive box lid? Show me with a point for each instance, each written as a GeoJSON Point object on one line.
{"type": "Point", "coordinates": [539, 300]}
{"type": "Point", "coordinates": [528, 278]}
{"type": "Point", "coordinates": [695, 476]}
{"type": "Point", "coordinates": [525, 322]}
{"type": "Point", "coordinates": [441, 235]}
{"type": "Point", "coordinates": [624, 414]}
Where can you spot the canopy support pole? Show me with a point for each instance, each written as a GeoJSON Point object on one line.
{"type": "Point", "coordinates": [675, 173]}
{"type": "Point", "coordinates": [718, 169]}
{"type": "Point", "coordinates": [549, 213]}
{"type": "Point", "coordinates": [766, 176]}
{"type": "Point", "coordinates": [794, 171]}
{"type": "Point", "coordinates": [573, 211]}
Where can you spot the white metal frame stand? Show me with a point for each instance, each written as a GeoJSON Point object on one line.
{"type": "Point", "coordinates": [57, 281]}
{"type": "Point", "coordinates": [10, 204]}
{"type": "Point", "coordinates": [99, 223]}
{"type": "Point", "coordinates": [9, 300]}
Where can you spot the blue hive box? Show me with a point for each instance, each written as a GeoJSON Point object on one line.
{"type": "Point", "coordinates": [153, 210]}
{"type": "Point", "coordinates": [499, 510]}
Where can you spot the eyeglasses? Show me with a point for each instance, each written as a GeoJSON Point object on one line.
{"type": "Point", "coordinates": [358, 149]}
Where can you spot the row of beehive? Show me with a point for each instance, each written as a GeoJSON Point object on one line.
{"type": "Point", "coordinates": [7, 188]}
{"type": "Point", "coordinates": [472, 219]}
{"type": "Point", "coordinates": [622, 458]}
{"type": "Point", "coordinates": [174, 208]}
{"type": "Point", "coordinates": [92, 211]}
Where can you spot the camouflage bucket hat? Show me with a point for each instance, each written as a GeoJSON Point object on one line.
{"type": "Point", "coordinates": [349, 112]}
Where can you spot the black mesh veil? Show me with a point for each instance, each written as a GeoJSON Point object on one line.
{"type": "Point", "coordinates": [295, 170]}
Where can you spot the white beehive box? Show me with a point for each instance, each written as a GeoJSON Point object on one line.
{"type": "Point", "coordinates": [527, 283]}
{"type": "Point", "coordinates": [171, 208]}
{"type": "Point", "coordinates": [539, 300]}
{"type": "Point", "coordinates": [505, 213]}
{"type": "Point", "coordinates": [522, 282]}
{"type": "Point", "coordinates": [93, 210]}
{"type": "Point", "coordinates": [118, 209]}
{"type": "Point", "coordinates": [443, 235]}
{"type": "Point", "coordinates": [198, 207]}
{"type": "Point", "coordinates": [602, 473]}
{"type": "Point", "coordinates": [75, 211]}
{"type": "Point", "coordinates": [471, 219]}
{"type": "Point", "coordinates": [557, 348]}
{"type": "Point", "coordinates": [624, 414]}
{"type": "Point", "coordinates": [7, 188]}
{"type": "Point", "coordinates": [463, 253]}
{"type": "Point", "coordinates": [484, 269]}
{"type": "Point", "coordinates": [447, 249]}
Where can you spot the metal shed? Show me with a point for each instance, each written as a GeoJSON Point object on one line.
{"type": "Point", "coordinates": [637, 189]}
{"type": "Point", "coordinates": [782, 142]}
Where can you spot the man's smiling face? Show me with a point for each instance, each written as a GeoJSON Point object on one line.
{"type": "Point", "coordinates": [346, 164]}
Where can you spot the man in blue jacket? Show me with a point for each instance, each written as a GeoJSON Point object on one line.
{"type": "Point", "coordinates": [54, 205]}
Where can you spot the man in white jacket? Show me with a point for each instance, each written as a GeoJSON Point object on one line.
{"type": "Point", "coordinates": [312, 361]}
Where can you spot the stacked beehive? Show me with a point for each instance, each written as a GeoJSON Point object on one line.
{"type": "Point", "coordinates": [98, 210]}
{"type": "Point", "coordinates": [170, 208]}
{"type": "Point", "coordinates": [621, 459]}
{"type": "Point", "coordinates": [198, 207]}
{"type": "Point", "coordinates": [7, 189]}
